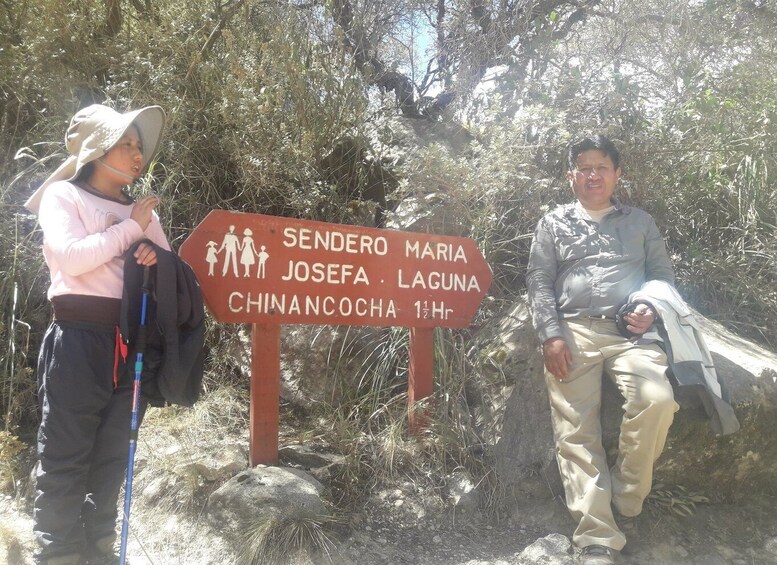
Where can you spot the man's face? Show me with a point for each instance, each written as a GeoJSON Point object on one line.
{"type": "Point", "coordinates": [594, 179]}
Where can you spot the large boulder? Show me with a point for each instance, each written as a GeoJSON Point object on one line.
{"type": "Point", "coordinates": [723, 466]}
{"type": "Point", "coordinates": [260, 494]}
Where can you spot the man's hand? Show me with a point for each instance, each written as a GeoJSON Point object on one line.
{"type": "Point", "coordinates": [558, 358]}
{"type": "Point", "coordinates": [640, 320]}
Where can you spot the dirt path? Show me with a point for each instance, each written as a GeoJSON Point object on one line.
{"type": "Point", "coordinates": [420, 531]}
{"type": "Point", "coordinates": [402, 523]}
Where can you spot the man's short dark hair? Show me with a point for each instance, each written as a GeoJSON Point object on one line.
{"type": "Point", "coordinates": [599, 142]}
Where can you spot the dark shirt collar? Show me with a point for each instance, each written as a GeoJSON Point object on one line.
{"type": "Point", "coordinates": [86, 187]}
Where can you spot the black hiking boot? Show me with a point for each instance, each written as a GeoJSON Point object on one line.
{"type": "Point", "coordinates": [597, 555]}
{"type": "Point", "coordinates": [102, 552]}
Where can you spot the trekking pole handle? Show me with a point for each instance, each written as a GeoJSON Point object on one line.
{"type": "Point", "coordinates": [146, 279]}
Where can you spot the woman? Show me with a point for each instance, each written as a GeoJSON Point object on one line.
{"type": "Point", "coordinates": [89, 222]}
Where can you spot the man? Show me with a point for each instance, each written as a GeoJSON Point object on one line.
{"type": "Point", "coordinates": [586, 258]}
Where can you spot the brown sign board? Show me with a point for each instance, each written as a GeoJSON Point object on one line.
{"type": "Point", "coordinates": [272, 270]}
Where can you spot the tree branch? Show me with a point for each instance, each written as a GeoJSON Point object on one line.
{"type": "Point", "coordinates": [225, 12]}
{"type": "Point", "coordinates": [371, 67]}
{"type": "Point", "coordinates": [442, 47]}
{"type": "Point", "coordinates": [113, 18]}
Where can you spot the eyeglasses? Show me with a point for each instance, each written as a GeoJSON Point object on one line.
{"type": "Point", "coordinates": [601, 170]}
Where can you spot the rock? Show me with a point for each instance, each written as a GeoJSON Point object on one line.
{"type": "Point", "coordinates": [770, 546]}
{"type": "Point", "coordinates": [748, 370]}
{"type": "Point", "coordinates": [305, 477]}
{"type": "Point", "coordinates": [694, 457]}
{"type": "Point", "coordinates": [463, 493]}
{"type": "Point", "coordinates": [217, 466]}
{"type": "Point", "coordinates": [328, 473]}
{"type": "Point", "coordinates": [156, 489]}
{"type": "Point", "coordinates": [554, 549]}
{"type": "Point", "coordinates": [525, 448]}
{"type": "Point", "coordinates": [262, 493]}
{"type": "Point", "coordinates": [303, 456]}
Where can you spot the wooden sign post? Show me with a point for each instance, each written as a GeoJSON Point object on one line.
{"type": "Point", "coordinates": [268, 271]}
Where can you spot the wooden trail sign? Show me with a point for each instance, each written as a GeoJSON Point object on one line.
{"type": "Point", "coordinates": [272, 270]}
{"type": "Point", "coordinates": [268, 271]}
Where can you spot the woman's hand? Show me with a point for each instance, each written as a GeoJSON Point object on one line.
{"type": "Point", "coordinates": [145, 255]}
{"type": "Point", "coordinates": [141, 211]}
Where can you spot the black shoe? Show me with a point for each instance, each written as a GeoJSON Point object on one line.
{"type": "Point", "coordinates": [105, 559]}
{"type": "Point", "coordinates": [103, 555]}
{"type": "Point", "coordinates": [69, 559]}
{"type": "Point", "coordinates": [597, 555]}
{"type": "Point", "coordinates": [629, 525]}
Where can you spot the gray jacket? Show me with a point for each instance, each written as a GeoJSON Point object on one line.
{"type": "Point", "coordinates": [686, 350]}
{"type": "Point", "coordinates": [579, 268]}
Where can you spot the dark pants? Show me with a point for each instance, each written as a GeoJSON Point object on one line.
{"type": "Point", "coordinates": [83, 437]}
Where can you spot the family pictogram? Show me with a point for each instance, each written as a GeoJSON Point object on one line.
{"type": "Point", "coordinates": [232, 248]}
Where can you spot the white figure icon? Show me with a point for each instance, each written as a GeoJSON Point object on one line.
{"type": "Point", "coordinates": [231, 245]}
{"type": "Point", "coordinates": [248, 252]}
{"type": "Point", "coordinates": [263, 255]}
{"type": "Point", "coordinates": [210, 257]}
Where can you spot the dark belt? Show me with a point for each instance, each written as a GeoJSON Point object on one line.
{"type": "Point", "coordinates": [85, 308]}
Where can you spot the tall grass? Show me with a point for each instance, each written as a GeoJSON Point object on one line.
{"type": "Point", "coordinates": [721, 224]}
{"type": "Point", "coordinates": [369, 422]}
{"type": "Point", "coordinates": [285, 539]}
{"type": "Point", "coordinates": [23, 318]}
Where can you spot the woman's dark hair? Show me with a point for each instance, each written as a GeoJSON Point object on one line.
{"type": "Point", "coordinates": [599, 142]}
{"type": "Point", "coordinates": [85, 172]}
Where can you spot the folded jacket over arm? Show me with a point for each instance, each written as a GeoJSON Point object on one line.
{"type": "Point", "coordinates": [174, 357]}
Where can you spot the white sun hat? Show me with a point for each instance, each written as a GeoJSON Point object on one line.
{"type": "Point", "coordinates": [93, 131]}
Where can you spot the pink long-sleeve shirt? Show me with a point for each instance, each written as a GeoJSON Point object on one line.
{"type": "Point", "coordinates": [85, 240]}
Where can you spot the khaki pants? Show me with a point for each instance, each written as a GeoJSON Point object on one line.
{"type": "Point", "coordinates": [639, 373]}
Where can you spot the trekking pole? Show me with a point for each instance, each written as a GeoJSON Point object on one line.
{"type": "Point", "coordinates": [133, 441]}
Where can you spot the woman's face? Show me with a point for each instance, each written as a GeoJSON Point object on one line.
{"type": "Point", "coordinates": [127, 155]}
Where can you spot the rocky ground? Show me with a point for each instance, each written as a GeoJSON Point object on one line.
{"type": "Point", "coordinates": [395, 528]}
{"type": "Point", "coordinates": [184, 455]}
{"type": "Point", "coordinates": [402, 522]}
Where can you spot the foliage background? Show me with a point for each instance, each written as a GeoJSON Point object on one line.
{"type": "Point", "coordinates": [450, 116]}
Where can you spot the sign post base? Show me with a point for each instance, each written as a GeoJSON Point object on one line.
{"type": "Point", "coordinates": [265, 392]}
{"type": "Point", "coordinates": [420, 377]}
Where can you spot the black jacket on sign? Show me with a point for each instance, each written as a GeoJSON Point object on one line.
{"type": "Point", "coordinates": [175, 319]}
